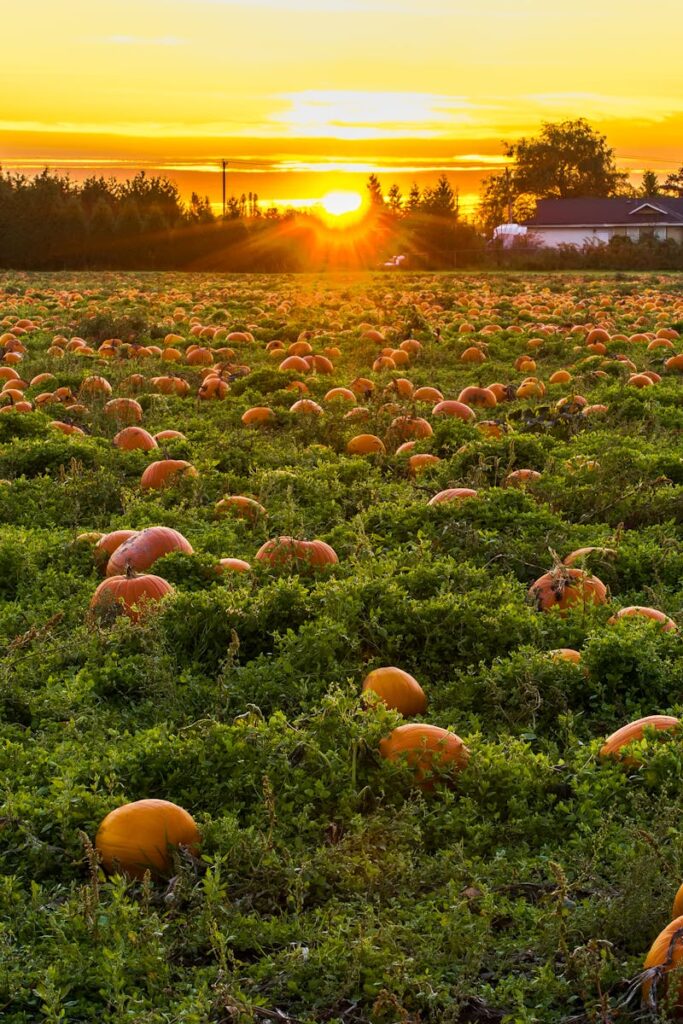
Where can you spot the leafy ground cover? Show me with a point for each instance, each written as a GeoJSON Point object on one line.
{"type": "Point", "coordinates": [527, 886]}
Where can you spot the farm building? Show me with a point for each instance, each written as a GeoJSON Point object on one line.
{"type": "Point", "coordinates": [578, 221]}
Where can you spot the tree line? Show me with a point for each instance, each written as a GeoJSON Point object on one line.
{"type": "Point", "coordinates": [49, 222]}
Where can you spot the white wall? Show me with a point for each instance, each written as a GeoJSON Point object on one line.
{"type": "Point", "coordinates": [571, 236]}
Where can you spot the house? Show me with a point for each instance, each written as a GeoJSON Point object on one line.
{"type": "Point", "coordinates": [581, 221]}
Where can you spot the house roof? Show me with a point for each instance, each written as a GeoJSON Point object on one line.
{"type": "Point", "coordinates": [603, 212]}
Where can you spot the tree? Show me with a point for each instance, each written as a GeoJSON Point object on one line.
{"type": "Point", "coordinates": [673, 186]}
{"type": "Point", "coordinates": [649, 186]}
{"type": "Point", "coordinates": [414, 198]}
{"type": "Point", "coordinates": [440, 201]}
{"type": "Point", "coordinates": [567, 160]}
{"type": "Point", "coordinates": [374, 191]}
{"type": "Point", "coordinates": [395, 200]}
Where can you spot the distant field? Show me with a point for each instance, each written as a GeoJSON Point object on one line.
{"type": "Point", "coordinates": [523, 880]}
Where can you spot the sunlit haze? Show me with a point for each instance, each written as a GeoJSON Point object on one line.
{"type": "Point", "coordinates": [304, 99]}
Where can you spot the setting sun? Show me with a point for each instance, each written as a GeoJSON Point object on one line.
{"type": "Point", "coordinates": [341, 203]}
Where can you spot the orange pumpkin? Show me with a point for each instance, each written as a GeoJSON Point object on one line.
{"type": "Point", "coordinates": [565, 588]}
{"type": "Point", "coordinates": [141, 551]}
{"type": "Point", "coordinates": [169, 435]}
{"type": "Point", "coordinates": [635, 731]}
{"type": "Point", "coordinates": [482, 397]}
{"type": "Point", "coordinates": [522, 477]}
{"type": "Point", "coordinates": [107, 544]}
{"type": "Point", "coordinates": [232, 565]}
{"type": "Point", "coordinates": [307, 407]}
{"type": "Point", "coordinates": [566, 654]}
{"type": "Point", "coordinates": [421, 461]}
{"type": "Point", "coordinates": [426, 748]}
{"type": "Point", "coordinates": [457, 409]}
{"type": "Point", "coordinates": [397, 689]}
{"type": "Point", "coordinates": [427, 394]}
{"type": "Point", "coordinates": [411, 426]}
{"type": "Point", "coordinates": [283, 551]}
{"type": "Point", "coordinates": [452, 494]}
{"type": "Point", "coordinates": [257, 415]}
{"type": "Point", "coordinates": [665, 955]}
{"type": "Point", "coordinates": [668, 625]}
{"type": "Point", "coordinates": [131, 438]}
{"type": "Point", "coordinates": [242, 507]}
{"type": "Point", "coordinates": [125, 410]}
{"type": "Point", "coordinates": [365, 444]}
{"type": "Point", "coordinates": [164, 472]}
{"type": "Point", "coordinates": [140, 836]}
{"type": "Point", "coordinates": [129, 594]}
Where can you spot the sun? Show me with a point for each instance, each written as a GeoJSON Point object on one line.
{"type": "Point", "coordinates": [341, 204]}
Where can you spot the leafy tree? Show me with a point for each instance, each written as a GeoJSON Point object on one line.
{"type": "Point", "coordinates": [568, 159]}
{"type": "Point", "coordinates": [673, 186]}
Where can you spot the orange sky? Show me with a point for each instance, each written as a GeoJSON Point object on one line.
{"type": "Point", "coordinates": [305, 96]}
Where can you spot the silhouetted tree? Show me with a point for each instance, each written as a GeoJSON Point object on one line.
{"type": "Point", "coordinates": [649, 186]}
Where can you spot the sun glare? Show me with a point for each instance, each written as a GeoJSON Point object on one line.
{"type": "Point", "coordinates": [341, 204]}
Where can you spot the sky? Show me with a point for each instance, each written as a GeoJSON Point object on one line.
{"type": "Point", "coordinates": [303, 97]}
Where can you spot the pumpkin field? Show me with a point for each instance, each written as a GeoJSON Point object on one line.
{"type": "Point", "coordinates": [342, 655]}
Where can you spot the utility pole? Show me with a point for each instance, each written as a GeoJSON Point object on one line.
{"type": "Point", "coordinates": [225, 164]}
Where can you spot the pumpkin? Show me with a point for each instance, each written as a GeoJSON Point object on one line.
{"type": "Point", "coordinates": [286, 550]}
{"type": "Point", "coordinates": [164, 472]}
{"type": "Point", "coordinates": [337, 394]}
{"type": "Point", "coordinates": [665, 955]}
{"type": "Point", "coordinates": [240, 506]}
{"type": "Point", "coordinates": [566, 654]}
{"type": "Point", "coordinates": [565, 588]}
{"type": "Point", "coordinates": [365, 444]}
{"type": "Point", "coordinates": [169, 435]}
{"type": "Point", "coordinates": [580, 553]}
{"type": "Point", "coordinates": [452, 494]}
{"type": "Point", "coordinates": [362, 387]}
{"type": "Point", "coordinates": [522, 477]}
{"type": "Point", "coordinates": [64, 428]}
{"type": "Point", "coordinates": [125, 410]}
{"type": "Point", "coordinates": [141, 551]}
{"type": "Point", "coordinates": [213, 388]}
{"type": "Point", "coordinates": [109, 542]}
{"type": "Point", "coordinates": [427, 394]}
{"type": "Point", "coordinates": [426, 748]}
{"type": "Point", "coordinates": [140, 836]}
{"type": "Point", "coordinates": [677, 909]}
{"type": "Point", "coordinates": [257, 415]}
{"type": "Point", "coordinates": [296, 363]}
{"type": "Point", "coordinates": [421, 461]}
{"type": "Point", "coordinates": [232, 565]}
{"type": "Point", "coordinates": [95, 387]}
{"type": "Point", "coordinates": [635, 731]}
{"type": "Point", "coordinates": [482, 397]}
{"type": "Point", "coordinates": [411, 426]}
{"type": "Point", "coordinates": [397, 689]}
{"type": "Point", "coordinates": [131, 438]}
{"type": "Point", "coordinates": [473, 355]}
{"type": "Point", "coordinates": [667, 624]}
{"type": "Point", "coordinates": [128, 594]}
{"type": "Point", "coordinates": [457, 409]}
{"type": "Point", "coordinates": [306, 406]}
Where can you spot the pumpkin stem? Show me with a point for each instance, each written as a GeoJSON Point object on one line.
{"type": "Point", "coordinates": [130, 571]}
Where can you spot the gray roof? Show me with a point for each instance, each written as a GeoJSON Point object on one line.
{"type": "Point", "coordinates": [601, 212]}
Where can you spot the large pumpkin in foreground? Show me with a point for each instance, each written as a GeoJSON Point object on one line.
{"type": "Point", "coordinates": [397, 689]}
{"type": "Point", "coordinates": [140, 836]}
{"type": "Point", "coordinates": [427, 748]}
{"type": "Point", "coordinates": [129, 595]}
{"type": "Point", "coordinates": [666, 953]}
{"type": "Point", "coordinates": [565, 588]}
{"type": "Point", "coordinates": [141, 551]}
